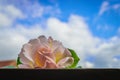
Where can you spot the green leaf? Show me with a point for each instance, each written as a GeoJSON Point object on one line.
{"type": "Point", "coordinates": [18, 61]}
{"type": "Point", "coordinates": [76, 59]}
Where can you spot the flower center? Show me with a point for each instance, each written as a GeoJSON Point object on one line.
{"type": "Point", "coordinates": [39, 56]}
{"type": "Point", "coordinates": [44, 50]}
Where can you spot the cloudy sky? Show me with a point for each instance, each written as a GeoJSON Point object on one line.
{"type": "Point", "coordinates": [90, 27]}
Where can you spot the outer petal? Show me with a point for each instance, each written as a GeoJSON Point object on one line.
{"type": "Point", "coordinates": [24, 66]}
{"type": "Point", "coordinates": [67, 61]}
{"type": "Point", "coordinates": [27, 51]}
{"type": "Point", "coordinates": [67, 52]}
{"type": "Point", "coordinates": [43, 41]}
{"type": "Point", "coordinates": [58, 53]}
{"type": "Point", "coordinates": [50, 39]}
{"type": "Point", "coordinates": [55, 45]}
{"type": "Point", "coordinates": [35, 44]}
{"type": "Point", "coordinates": [23, 59]}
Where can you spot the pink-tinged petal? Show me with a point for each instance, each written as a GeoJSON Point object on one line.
{"type": "Point", "coordinates": [27, 51]}
{"type": "Point", "coordinates": [59, 47]}
{"type": "Point", "coordinates": [50, 55]}
{"type": "Point", "coordinates": [67, 61]}
{"type": "Point", "coordinates": [58, 53]}
{"type": "Point", "coordinates": [67, 52]}
{"type": "Point", "coordinates": [35, 44]}
{"type": "Point", "coordinates": [50, 39]}
{"type": "Point", "coordinates": [39, 59]}
{"type": "Point", "coordinates": [50, 65]}
{"type": "Point", "coordinates": [23, 59]}
{"type": "Point", "coordinates": [49, 62]}
{"type": "Point", "coordinates": [55, 45]}
{"type": "Point", "coordinates": [24, 66]}
{"type": "Point", "coordinates": [43, 40]}
{"type": "Point", "coordinates": [50, 59]}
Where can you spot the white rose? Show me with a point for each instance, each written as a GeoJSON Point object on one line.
{"type": "Point", "coordinates": [45, 53]}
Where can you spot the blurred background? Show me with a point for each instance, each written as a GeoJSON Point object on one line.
{"type": "Point", "coordinates": [90, 27]}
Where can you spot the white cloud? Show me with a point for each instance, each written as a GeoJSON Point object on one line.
{"type": "Point", "coordinates": [13, 11]}
{"type": "Point", "coordinates": [88, 64]}
{"type": "Point", "coordinates": [12, 40]}
{"type": "Point", "coordinates": [4, 20]}
{"type": "Point", "coordinates": [8, 14]}
{"type": "Point", "coordinates": [10, 43]}
{"type": "Point", "coordinates": [105, 53]}
{"type": "Point", "coordinates": [104, 7]}
{"type": "Point", "coordinates": [37, 10]}
{"type": "Point", "coordinates": [116, 6]}
{"type": "Point", "coordinates": [115, 59]}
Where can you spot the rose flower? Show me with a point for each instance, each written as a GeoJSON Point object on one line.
{"type": "Point", "coordinates": [44, 53]}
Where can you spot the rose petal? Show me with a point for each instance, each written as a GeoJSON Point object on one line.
{"type": "Point", "coordinates": [55, 45]}
{"type": "Point", "coordinates": [27, 51]}
{"type": "Point", "coordinates": [67, 52]}
{"type": "Point", "coordinates": [34, 42]}
{"type": "Point", "coordinates": [58, 53]}
{"type": "Point", "coordinates": [67, 61]}
{"type": "Point", "coordinates": [50, 59]}
{"type": "Point", "coordinates": [50, 55]}
{"type": "Point", "coordinates": [25, 60]}
{"type": "Point", "coordinates": [50, 39]}
{"type": "Point", "coordinates": [50, 65]}
{"type": "Point", "coordinates": [24, 66]}
{"type": "Point", "coordinates": [39, 59]}
{"type": "Point", "coordinates": [49, 62]}
{"type": "Point", "coordinates": [35, 45]}
{"type": "Point", "coordinates": [43, 40]}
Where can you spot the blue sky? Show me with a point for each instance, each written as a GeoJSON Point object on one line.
{"type": "Point", "coordinates": [90, 9]}
{"type": "Point", "coordinates": [90, 27]}
{"type": "Point", "coordinates": [104, 25]}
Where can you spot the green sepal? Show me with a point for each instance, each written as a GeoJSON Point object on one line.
{"type": "Point", "coordinates": [18, 61]}
{"type": "Point", "coordinates": [76, 59]}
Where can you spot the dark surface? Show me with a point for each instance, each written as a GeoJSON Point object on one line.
{"type": "Point", "coordinates": [59, 74]}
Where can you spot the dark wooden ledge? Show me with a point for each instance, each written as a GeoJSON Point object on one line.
{"type": "Point", "coordinates": [59, 74]}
